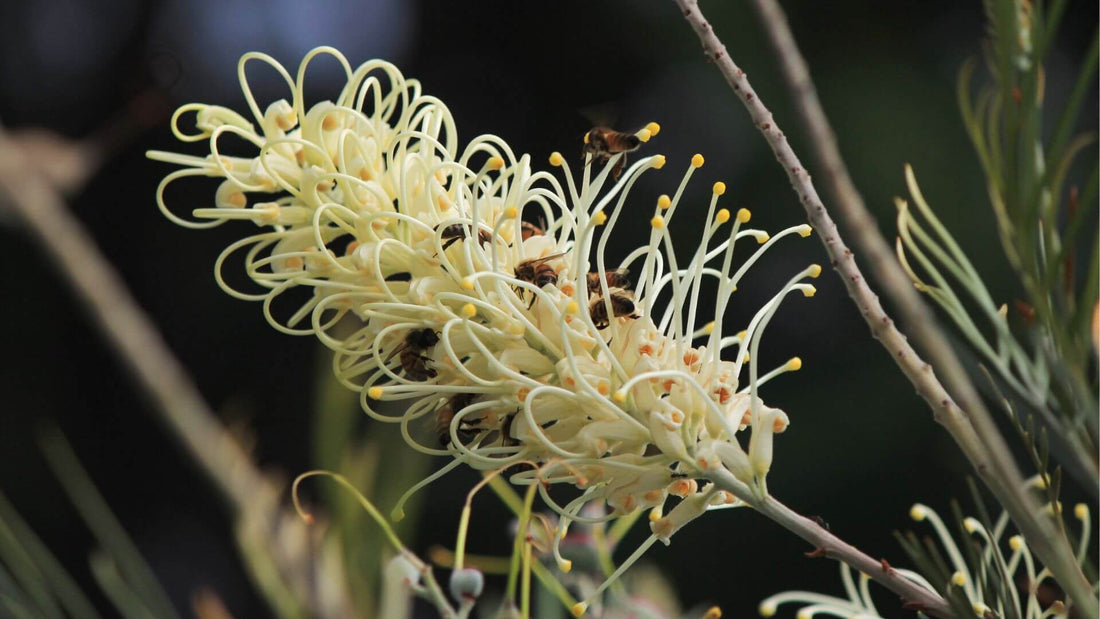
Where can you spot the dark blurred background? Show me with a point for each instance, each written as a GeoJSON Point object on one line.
{"type": "Point", "coordinates": [862, 447]}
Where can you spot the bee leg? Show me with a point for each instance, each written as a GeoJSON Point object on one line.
{"type": "Point", "coordinates": [619, 167]}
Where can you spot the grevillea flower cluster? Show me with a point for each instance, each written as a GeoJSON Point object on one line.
{"type": "Point", "coordinates": [468, 299]}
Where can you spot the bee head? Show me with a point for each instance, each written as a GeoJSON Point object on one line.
{"type": "Point", "coordinates": [424, 338]}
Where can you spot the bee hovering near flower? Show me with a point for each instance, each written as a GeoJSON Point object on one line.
{"type": "Point", "coordinates": [603, 143]}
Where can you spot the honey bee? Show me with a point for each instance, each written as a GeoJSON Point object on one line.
{"type": "Point", "coordinates": [603, 143]}
{"type": "Point", "coordinates": [622, 304]}
{"type": "Point", "coordinates": [506, 438]}
{"type": "Point", "coordinates": [616, 278]}
{"type": "Point", "coordinates": [537, 272]}
{"type": "Point", "coordinates": [446, 414]}
{"type": "Point", "coordinates": [528, 229]}
{"type": "Point", "coordinates": [456, 232]}
{"type": "Point", "coordinates": [413, 359]}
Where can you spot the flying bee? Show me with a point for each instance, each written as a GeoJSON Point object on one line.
{"type": "Point", "coordinates": [603, 143]}
{"type": "Point", "coordinates": [411, 351]}
{"type": "Point", "coordinates": [622, 304]}
{"type": "Point", "coordinates": [446, 414]}
{"type": "Point", "coordinates": [538, 272]}
{"type": "Point", "coordinates": [616, 278]}
{"type": "Point", "coordinates": [456, 232]}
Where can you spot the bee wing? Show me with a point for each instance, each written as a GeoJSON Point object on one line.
{"type": "Point", "coordinates": [396, 350]}
{"type": "Point", "coordinates": [538, 261]}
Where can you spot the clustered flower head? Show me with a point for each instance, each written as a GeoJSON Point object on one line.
{"type": "Point", "coordinates": [468, 298]}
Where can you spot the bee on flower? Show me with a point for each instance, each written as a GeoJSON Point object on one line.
{"type": "Point", "coordinates": [498, 341]}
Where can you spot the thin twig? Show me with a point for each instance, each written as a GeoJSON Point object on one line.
{"type": "Point", "coordinates": [128, 329]}
{"type": "Point", "coordinates": [976, 433]}
{"type": "Point", "coordinates": [826, 544]}
{"type": "Point", "coordinates": [1053, 548]}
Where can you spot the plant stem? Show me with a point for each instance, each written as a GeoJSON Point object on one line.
{"type": "Point", "coordinates": [972, 427]}
{"type": "Point", "coordinates": [37, 201]}
{"type": "Point", "coordinates": [829, 545]}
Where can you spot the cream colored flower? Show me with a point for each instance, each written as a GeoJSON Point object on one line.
{"type": "Point", "coordinates": [419, 271]}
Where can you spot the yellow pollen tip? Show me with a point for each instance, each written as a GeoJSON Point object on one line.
{"type": "Point", "coordinates": [511, 212]}
{"type": "Point", "coordinates": [643, 135]}
{"type": "Point", "coordinates": [696, 160]}
{"type": "Point", "coordinates": [565, 566]}
{"type": "Point", "coordinates": [804, 614]}
{"type": "Point", "coordinates": [375, 393]}
{"type": "Point", "coordinates": [713, 613]}
{"type": "Point", "coordinates": [556, 159]}
{"type": "Point", "coordinates": [657, 222]}
{"type": "Point", "coordinates": [709, 328]}
{"type": "Point", "coordinates": [653, 128]}
{"type": "Point", "coordinates": [809, 291]}
{"type": "Point", "coordinates": [918, 513]}
{"type": "Point", "coordinates": [767, 609]}
{"type": "Point", "coordinates": [469, 311]}
{"type": "Point", "coordinates": [795, 364]}
{"type": "Point", "coordinates": [1016, 543]}
{"type": "Point", "coordinates": [980, 610]}
{"type": "Point", "coordinates": [719, 188]}
{"type": "Point", "coordinates": [741, 335]}
{"type": "Point", "coordinates": [1058, 607]}
{"type": "Point", "coordinates": [971, 525]}
{"type": "Point", "coordinates": [723, 216]}
{"type": "Point", "coordinates": [958, 579]}
{"type": "Point", "coordinates": [663, 201]}
{"type": "Point", "coordinates": [658, 161]}
{"type": "Point", "coordinates": [744, 215]}
{"type": "Point", "coordinates": [467, 283]}
{"type": "Point", "coordinates": [814, 270]}
{"type": "Point", "coordinates": [805, 230]}
{"type": "Point", "coordinates": [495, 163]}
{"type": "Point", "coordinates": [579, 609]}
{"type": "Point", "coordinates": [619, 396]}
{"type": "Point", "coordinates": [572, 308]}
{"type": "Point", "coordinates": [1081, 511]}
{"type": "Point", "coordinates": [599, 218]}
{"type": "Point", "coordinates": [763, 237]}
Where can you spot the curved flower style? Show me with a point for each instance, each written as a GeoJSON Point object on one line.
{"type": "Point", "coordinates": [983, 578]}
{"type": "Point", "coordinates": [522, 346]}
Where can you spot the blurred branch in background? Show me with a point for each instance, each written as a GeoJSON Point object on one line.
{"type": "Point", "coordinates": [282, 554]}
{"type": "Point", "coordinates": [972, 426]}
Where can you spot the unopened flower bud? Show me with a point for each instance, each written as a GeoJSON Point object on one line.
{"type": "Point", "coordinates": [466, 584]}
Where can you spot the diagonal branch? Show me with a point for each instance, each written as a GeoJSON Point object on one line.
{"type": "Point", "coordinates": [267, 537]}
{"type": "Point", "coordinates": [826, 544]}
{"type": "Point", "coordinates": [973, 429]}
